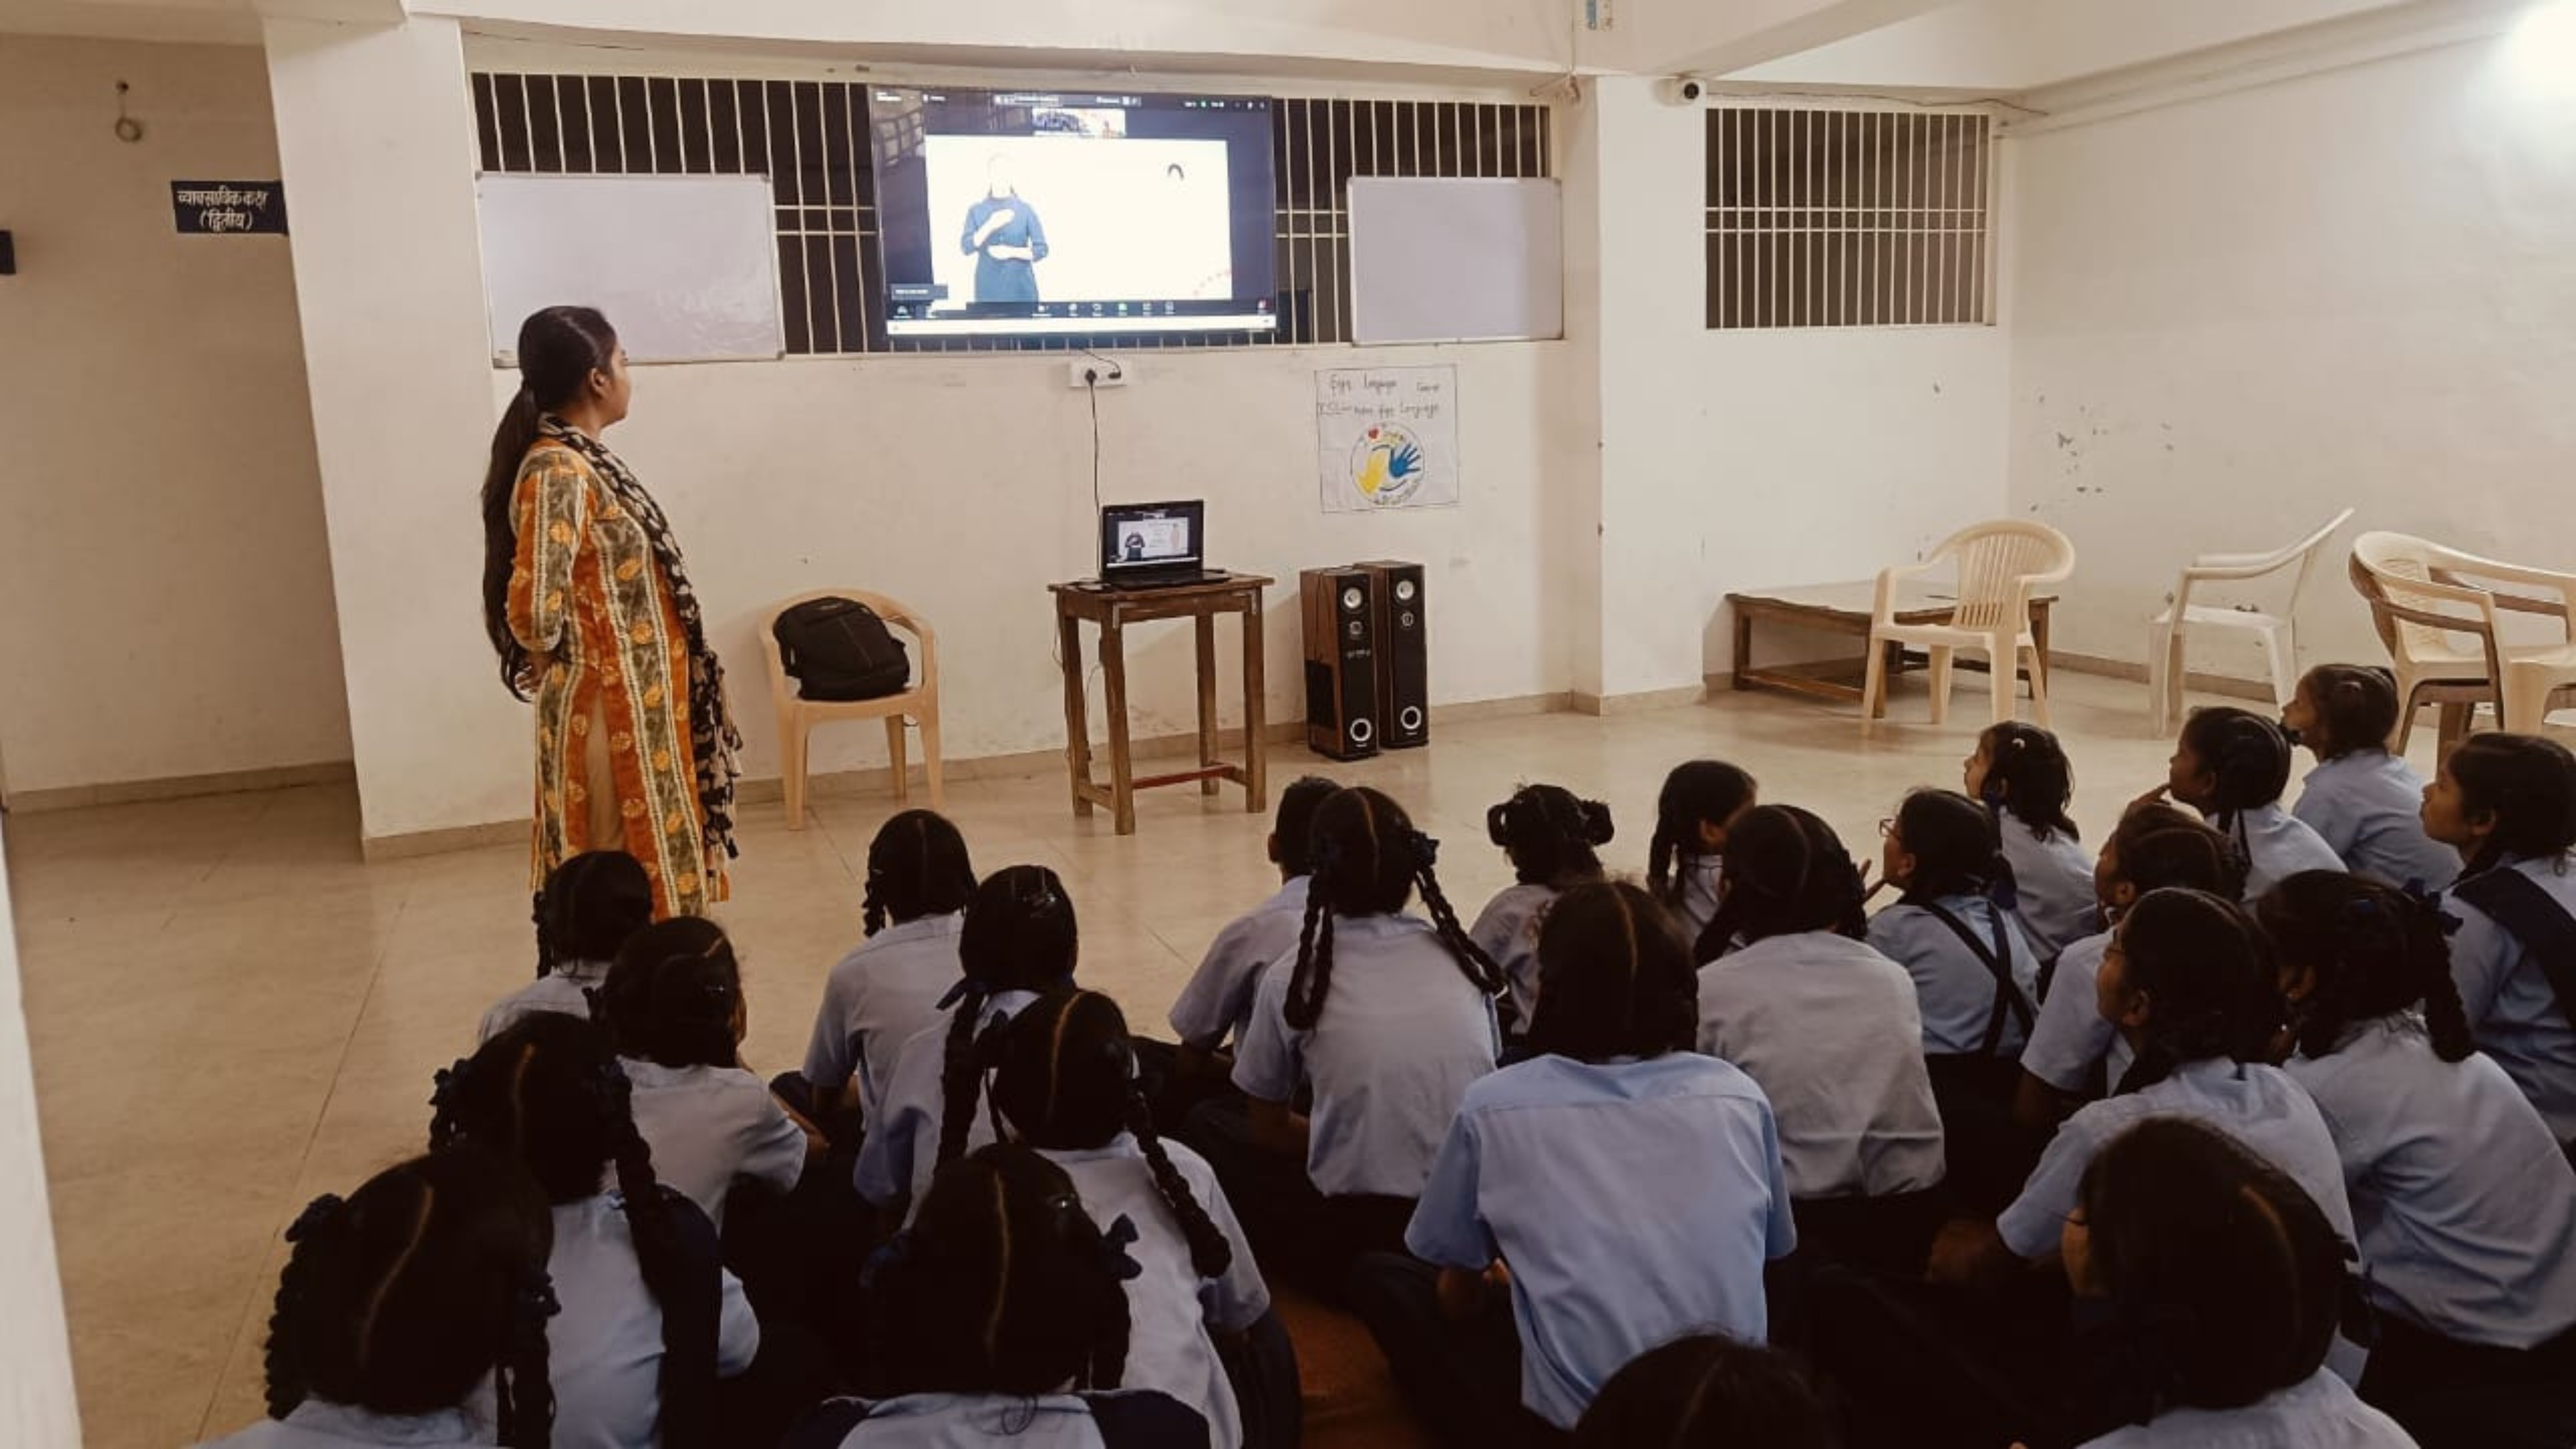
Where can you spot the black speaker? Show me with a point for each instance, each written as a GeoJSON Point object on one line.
{"type": "Point", "coordinates": [1403, 653]}
{"type": "Point", "coordinates": [1341, 662]}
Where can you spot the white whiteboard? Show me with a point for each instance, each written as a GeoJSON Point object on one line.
{"type": "Point", "coordinates": [684, 267]}
{"type": "Point", "coordinates": [1440, 260]}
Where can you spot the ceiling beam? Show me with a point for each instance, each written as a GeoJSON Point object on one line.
{"type": "Point", "coordinates": [1705, 38]}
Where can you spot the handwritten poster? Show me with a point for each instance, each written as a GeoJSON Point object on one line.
{"type": "Point", "coordinates": [1387, 437]}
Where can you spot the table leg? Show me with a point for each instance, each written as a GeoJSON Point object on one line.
{"type": "Point", "coordinates": [1077, 714]}
{"type": "Point", "coordinates": [1743, 648]}
{"type": "Point", "coordinates": [1207, 698]}
{"type": "Point", "coordinates": [1122, 761]}
{"type": "Point", "coordinates": [1256, 727]}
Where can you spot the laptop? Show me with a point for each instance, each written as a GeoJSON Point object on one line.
{"type": "Point", "coordinates": [1154, 545]}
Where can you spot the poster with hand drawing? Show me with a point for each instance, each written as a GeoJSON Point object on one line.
{"type": "Point", "coordinates": [1387, 437]}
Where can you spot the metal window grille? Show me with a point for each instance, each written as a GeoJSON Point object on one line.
{"type": "Point", "coordinates": [811, 138]}
{"type": "Point", "coordinates": [1828, 218]}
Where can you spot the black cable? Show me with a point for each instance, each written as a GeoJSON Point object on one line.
{"type": "Point", "coordinates": [1093, 387]}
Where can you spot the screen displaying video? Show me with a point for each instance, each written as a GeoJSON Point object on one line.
{"type": "Point", "coordinates": [1018, 214]}
{"type": "Point", "coordinates": [1141, 540]}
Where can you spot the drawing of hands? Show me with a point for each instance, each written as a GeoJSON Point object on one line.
{"type": "Point", "coordinates": [1406, 462]}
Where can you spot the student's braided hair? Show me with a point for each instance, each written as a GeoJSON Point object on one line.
{"type": "Point", "coordinates": [2528, 783]}
{"type": "Point", "coordinates": [1065, 1078]}
{"type": "Point", "coordinates": [2373, 952]}
{"type": "Point", "coordinates": [1369, 860]}
{"type": "Point", "coordinates": [2207, 972]}
{"type": "Point", "coordinates": [549, 1094]}
{"type": "Point", "coordinates": [1697, 791]}
{"type": "Point", "coordinates": [589, 906]}
{"type": "Point", "coordinates": [2156, 846]}
{"type": "Point", "coordinates": [402, 1298]}
{"type": "Point", "coordinates": [917, 866]}
{"type": "Point", "coordinates": [1710, 1389]}
{"type": "Point", "coordinates": [674, 995]}
{"type": "Point", "coordinates": [1615, 977]}
{"type": "Point", "coordinates": [2027, 773]}
{"type": "Point", "coordinates": [1958, 849]}
{"type": "Point", "coordinates": [1550, 835]}
{"type": "Point", "coordinates": [1786, 873]}
{"type": "Point", "coordinates": [1020, 935]}
{"type": "Point", "coordinates": [2356, 707]}
{"type": "Point", "coordinates": [2247, 755]}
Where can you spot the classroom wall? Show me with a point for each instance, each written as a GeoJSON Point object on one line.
{"type": "Point", "coordinates": [165, 601]}
{"type": "Point", "coordinates": [36, 1401]}
{"type": "Point", "coordinates": [2235, 316]}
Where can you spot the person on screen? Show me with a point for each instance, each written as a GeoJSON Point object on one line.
{"type": "Point", "coordinates": [1135, 548]}
{"type": "Point", "coordinates": [1006, 239]}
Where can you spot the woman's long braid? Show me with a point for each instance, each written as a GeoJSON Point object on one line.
{"type": "Point", "coordinates": [961, 1075]}
{"type": "Point", "coordinates": [325, 1218]}
{"type": "Point", "coordinates": [1210, 1253]}
{"type": "Point", "coordinates": [1661, 882]}
{"type": "Point", "coordinates": [2390, 951]}
{"type": "Point", "coordinates": [523, 1382]}
{"type": "Point", "coordinates": [691, 1303]}
{"type": "Point", "coordinates": [1472, 960]}
{"type": "Point", "coordinates": [1313, 975]}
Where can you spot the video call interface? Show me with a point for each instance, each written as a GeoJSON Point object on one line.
{"type": "Point", "coordinates": [1011, 213]}
{"type": "Point", "coordinates": [1149, 540]}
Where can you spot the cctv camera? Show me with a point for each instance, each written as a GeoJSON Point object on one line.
{"type": "Point", "coordinates": [1684, 90]}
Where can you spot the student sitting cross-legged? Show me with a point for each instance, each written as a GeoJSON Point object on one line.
{"type": "Point", "coordinates": [2021, 772]}
{"type": "Point", "coordinates": [887, 989]}
{"type": "Point", "coordinates": [586, 911]}
{"type": "Point", "coordinates": [1686, 863]}
{"type": "Point", "coordinates": [2361, 800]}
{"type": "Point", "coordinates": [1549, 835]}
{"type": "Point", "coordinates": [2231, 765]}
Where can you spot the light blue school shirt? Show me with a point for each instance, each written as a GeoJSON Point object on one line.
{"type": "Point", "coordinates": [1635, 1201]}
{"type": "Point", "coordinates": [2368, 807]}
{"type": "Point", "coordinates": [2071, 1036]}
{"type": "Point", "coordinates": [1402, 1033]}
{"type": "Point", "coordinates": [2277, 847]}
{"type": "Point", "coordinates": [1701, 878]}
{"type": "Point", "coordinates": [876, 999]}
{"type": "Point", "coordinates": [1951, 984]}
{"type": "Point", "coordinates": [2465, 1205]}
{"type": "Point", "coordinates": [563, 990]}
{"type": "Point", "coordinates": [1218, 999]}
{"type": "Point", "coordinates": [982, 1421]}
{"type": "Point", "coordinates": [2053, 893]}
{"type": "Point", "coordinates": [902, 1149]}
{"type": "Point", "coordinates": [2266, 1112]}
{"type": "Point", "coordinates": [713, 1128]}
{"type": "Point", "coordinates": [2319, 1412]}
{"type": "Point", "coordinates": [2517, 1019]}
{"type": "Point", "coordinates": [1507, 930]}
{"type": "Point", "coordinates": [321, 1424]}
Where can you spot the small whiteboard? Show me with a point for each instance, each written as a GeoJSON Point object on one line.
{"type": "Point", "coordinates": [684, 267]}
{"type": "Point", "coordinates": [1440, 260]}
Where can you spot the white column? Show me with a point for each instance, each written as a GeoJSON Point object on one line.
{"type": "Point", "coordinates": [36, 1403]}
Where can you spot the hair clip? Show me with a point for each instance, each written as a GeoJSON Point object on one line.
{"type": "Point", "coordinates": [1425, 849]}
{"type": "Point", "coordinates": [1114, 1244]}
{"type": "Point", "coordinates": [898, 1250]}
{"type": "Point", "coordinates": [447, 1086]}
{"type": "Point", "coordinates": [323, 1212]}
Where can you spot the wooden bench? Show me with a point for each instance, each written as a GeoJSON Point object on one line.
{"type": "Point", "coordinates": [1846, 609]}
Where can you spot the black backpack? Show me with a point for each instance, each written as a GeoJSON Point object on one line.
{"type": "Point", "coordinates": [838, 649]}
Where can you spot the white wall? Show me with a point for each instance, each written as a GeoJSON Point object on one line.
{"type": "Point", "coordinates": [36, 1402]}
{"type": "Point", "coordinates": [2233, 317]}
{"type": "Point", "coordinates": [165, 602]}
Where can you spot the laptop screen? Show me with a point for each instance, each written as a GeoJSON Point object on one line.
{"type": "Point", "coordinates": [1142, 538]}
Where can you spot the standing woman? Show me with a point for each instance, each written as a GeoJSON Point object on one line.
{"type": "Point", "coordinates": [589, 606]}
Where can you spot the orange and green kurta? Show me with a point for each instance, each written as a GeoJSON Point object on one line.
{"type": "Point", "coordinates": [614, 760]}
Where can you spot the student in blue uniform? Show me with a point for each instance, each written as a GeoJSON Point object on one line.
{"type": "Point", "coordinates": [1001, 1318]}
{"type": "Point", "coordinates": [888, 988]}
{"type": "Point", "coordinates": [650, 1317]}
{"type": "Point", "coordinates": [1064, 1082]}
{"type": "Point", "coordinates": [2364, 802]}
{"type": "Point", "coordinates": [1551, 837]}
{"type": "Point", "coordinates": [2021, 772]}
{"type": "Point", "coordinates": [1386, 1018]}
{"type": "Point", "coordinates": [1709, 1391]}
{"type": "Point", "coordinates": [2466, 1207]}
{"type": "Point", "coordinates": [2075, 1053]}
{"type": "Point", "coordinates": [1684, 867]}
{"type": "Point", "coordinates": [2210, 1285]}
{"type": "Point", "coordinates": [2509, 803]}
{"type": "Point", "coordinates": [1631, 1186]}
{"type": "Point", "coordinates": [2231, 765]}
{"type": "Point", "coordinates": [1020, 939]}
{"type": "Point", "coordinates": [588, 908]}
{"type": "Point", "coordinates": [397, 1302]}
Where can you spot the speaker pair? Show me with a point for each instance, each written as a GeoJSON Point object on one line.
{"type": "Point", "coordinates": [1367, 659]}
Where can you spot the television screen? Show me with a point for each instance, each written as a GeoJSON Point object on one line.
{"type": "Point", "coordinates": [1017, 214]}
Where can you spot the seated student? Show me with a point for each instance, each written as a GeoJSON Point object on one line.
{"type": "Point", "coordinates": [1064, 1082]}
{"type": "Point", "coordinates": [2466, 1207]}
{"type": "Point", "coordinates": [1001, 1317]}
{"type": "Point", "coordinates": [1386, 1018]}
{"type": "Point", "coordinates": [2190, 982]}
{"type": "Point", "coordinates": [1709, 1391]}
{"type": "Point", "coordinates": [2021, 772]}
{"type": "Point", "coordinates": [1700, 802]}
{"type": "Point", "coordinates": [882, 993]}
{"type": "Point", "coordinates": [1020, 939]}
{"type": "Point", "coordinates": [2215, 1282]}
{"type": "Point", "coordinates": [674, 1006]}
{"type": "Point", "coordinates": [650, 1317]}
{"type": "Point", "coordinates": [2365, 803]}
{"type": "Point", "coordinates": [2231, 765]}
{"type": "Point", "coordinates": [1214, 1007]}
{"type": "Point", "coordinates": [1550, 837]}
{"type": "Point", "coordinates": [588, 908]}
{"type": "Point", "coordinates": [2075, 1053]}
{"type": "Point", "coordinates": [1631, 1187]}
{"type": "Point", "coordinates": [395, 1304]}
{"type": "Point", "coordinates": [1830, 1031]}
{"type": "Point", "coordinates": [2509, 803]}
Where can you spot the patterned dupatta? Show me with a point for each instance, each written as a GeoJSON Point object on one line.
{"type": "Point", "coordinates": [713, 740]}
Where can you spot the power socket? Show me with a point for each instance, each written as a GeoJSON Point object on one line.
{"type": "Point", "coordinates": [1084, 372]}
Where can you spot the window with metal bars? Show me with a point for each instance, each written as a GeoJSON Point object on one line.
{"type": "Point", "coordinates": [1829, 218]}
{"type": "Point", "coordinates": [811, 139]}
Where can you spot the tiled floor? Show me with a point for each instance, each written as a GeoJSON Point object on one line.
{"type": "Point", "coordinates": [231, 1012]}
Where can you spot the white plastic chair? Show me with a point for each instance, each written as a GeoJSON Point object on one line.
{"type": "Point", "coordinates": [2279, 632]}
{"type": "Point", "coordinates": [1999, 563]}
{"type": "Point", "coordinates": [2426, 607]}
{"type": "Point", "coordinates": [798, 715]}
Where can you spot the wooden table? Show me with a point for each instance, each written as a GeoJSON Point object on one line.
{"type": "Point", "coordinates": [1113, 609]}
{"type": "Point", "coordinates": [1846, 609]}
